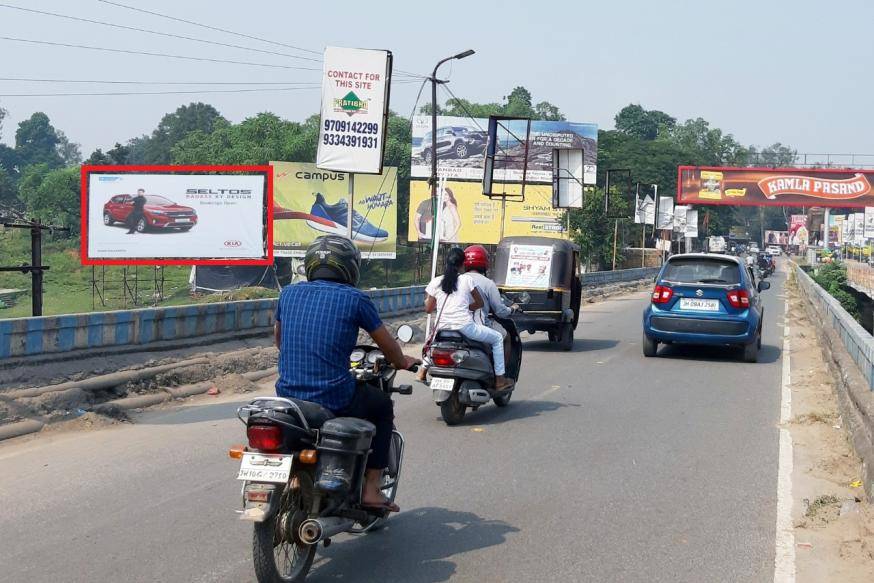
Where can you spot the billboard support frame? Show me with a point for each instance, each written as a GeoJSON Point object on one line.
{"type": "Point", "coordinates": [491, 156]}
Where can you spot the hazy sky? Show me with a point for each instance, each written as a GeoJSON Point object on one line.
{"type": "Point", "coordinates": [796, 72]}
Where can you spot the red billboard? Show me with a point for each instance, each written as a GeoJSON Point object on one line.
{"type": "Point", "coordinates": [775, 186]}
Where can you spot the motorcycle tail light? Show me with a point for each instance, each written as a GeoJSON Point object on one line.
{"type": "Point", "coordinates": [662, 294]}
{"type": "Point", "coordinates": [447, 357]}
{"type": "Point", "coordinates": [739, 298]}
{"type": "Point", "coordinates": [264, 437]}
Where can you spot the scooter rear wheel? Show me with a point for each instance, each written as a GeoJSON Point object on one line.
{"type": "Point", "coordinates": [503, 400]}
{"type": "Point", "coordinates": [452, 410]}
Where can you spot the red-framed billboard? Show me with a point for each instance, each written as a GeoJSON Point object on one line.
{"type": "Point", "coordinates": [177, 215]}
{"type": "Point", "coordinates": [823, 187]}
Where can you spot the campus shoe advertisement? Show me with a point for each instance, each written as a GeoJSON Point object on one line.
{"type": "Point", "coordinates": [309, 202]}
{"type": "Point", "coordinates": [469, 217]}
{"type": "Point", "coordinates": [462, 141]}
{"type": "Point", "coordinates": [158, 217]}
{"type": "Point", "coordinates": [775, 187]}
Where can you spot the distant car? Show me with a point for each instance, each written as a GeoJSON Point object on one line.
{"type": "Point", "coordinates": [705, 299]}
{"type": "Point", "coordinates": [159, 213]}
{"type": "Point", "coordinates": [754, 248]}
{"type": "Point", "coordinates": [453, 142]}
{"type": "Point", "coordinates": [774, 251]}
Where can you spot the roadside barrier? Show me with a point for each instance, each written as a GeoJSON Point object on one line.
{"type": "Point", "coordinates": [54, 337]}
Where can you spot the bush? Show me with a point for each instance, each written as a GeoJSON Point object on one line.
{"type": "Point", "coordinates": [833, 279]}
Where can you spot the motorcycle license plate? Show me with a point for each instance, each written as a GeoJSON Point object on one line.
{"type": "Point", "coordinates": [259, 467]}
{"type": "Point", "coordinates": [441, 384]}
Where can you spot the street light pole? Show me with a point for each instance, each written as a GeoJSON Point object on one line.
{"type": "Point", "coordinates": [433, 179]}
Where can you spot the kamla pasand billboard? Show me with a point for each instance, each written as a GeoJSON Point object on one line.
{"type": "Point", "coordinates": [309, 202]}
{"type": "Point", "coordinates": [191, 215]}
{"type": "Point", "coordinates": [461, 145]}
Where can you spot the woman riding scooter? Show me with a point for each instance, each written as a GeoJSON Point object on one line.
{"type": "Point", "coordinates": [454, 297]}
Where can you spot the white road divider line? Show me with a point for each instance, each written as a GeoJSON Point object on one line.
{"type": "Point", "coordinates": [548, 391]}
{"type": "Point", "coordinates": [784, 556]}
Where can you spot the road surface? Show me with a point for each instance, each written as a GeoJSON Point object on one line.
{"type": "Point", "coordinates": [605, 467]}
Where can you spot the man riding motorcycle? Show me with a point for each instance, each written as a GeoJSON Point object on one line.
{"type": "Point", "coordinates": [476, 264]}
{"type": "Point", "coordinates": [316, 330]}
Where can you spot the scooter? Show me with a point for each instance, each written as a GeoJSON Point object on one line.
{"type": "Point", "coordinates": [303, 472]}
{"type": "Point", "coordinates": [463, 375]}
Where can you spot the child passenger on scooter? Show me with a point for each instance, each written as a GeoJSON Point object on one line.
{"type": "Point", "coordinates": [454, 297]}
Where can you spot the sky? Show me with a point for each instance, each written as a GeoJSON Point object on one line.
{"type": "Point", "coordinates": [766, 71]}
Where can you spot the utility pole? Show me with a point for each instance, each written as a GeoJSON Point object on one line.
{"type": "Point", "coordinates": [36, 268]}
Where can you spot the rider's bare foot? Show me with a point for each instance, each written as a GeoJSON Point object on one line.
{"type": "Point", "coordinates": [502, 383]}
{"type": "Point", "coordinates": [422, 374]}
{"type": "Point", "coordinates": [379, 502]}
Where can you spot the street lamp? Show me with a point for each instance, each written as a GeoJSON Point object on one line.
{"type": "Point", "coordinates": [434, 82]}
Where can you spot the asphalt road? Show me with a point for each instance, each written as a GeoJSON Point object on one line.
{"type": "Point", "coordinates": [605, 467]}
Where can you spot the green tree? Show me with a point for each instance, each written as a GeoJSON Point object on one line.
{"type": "Point", "coordinates": [643, 124]}
{"type": "Point", "coordinates": [36, 142]}
{"type": "Point", "coordinates": [69, 152]}
{"type": "Point", "coordinates": [119, 154]}
{"type": "Point", "coordinates": [52, 195]}
{"type": "Point", "coordinates": [776, 155]}
{"type": "Point", "coordinates": [175, 127]}
{"type": "Point", "coordinates": [593, 230]}
{"type": "Point", "coordinates": [9, 202]}
{"type": "Point", "coordinates": [547, 111]}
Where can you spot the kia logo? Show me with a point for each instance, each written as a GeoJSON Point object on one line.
{"type": "Point", "coordinates": [233, 243]}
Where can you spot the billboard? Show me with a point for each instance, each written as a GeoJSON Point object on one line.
{"type": "Point", "coordinates": [665, 217]}
{"type": "Point", "coordinates": [798, 232]}
{"type": "Point", "coordinates": [775, 186]}
{"type": "Point", "coordinates": [461, 145]}
{"type": "Point", "coordinates": [309, 202]}
{"type": "Point", "coordinates": [354, 113]}
{"type": "Point", "coordinates": [691, 224]}
{"type": "Point", "coordinates": [470, 217]}
{"type": "Point", "coordinates": [176, 215]}
{"type": "Point", "coordinates": [776, 238]}
{"type": "Point", "coordinates": [869, 222]}
{"type": "Point", "coordinates": [644, 210]}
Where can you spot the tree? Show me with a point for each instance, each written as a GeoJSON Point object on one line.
{"type": "Point", "coordinates": [776, 156]}
{"type": "Point", "coordinates": [593, 230]}
{"type": "Point", "coordinates": [52, 195]}
{"type": "Point", "coordinates": [8, 196]}
{"type": "Point", "coordinates": [69, 152]}
{"type": "Point", "coordinates": [643, 124]}
{"type": "Point", "coordinates": [3, 114]}
{"type": "Point", "coordinates": [547, 111]}
{"type": "Point", "coordinates": [519, 103]}
{"type": "Point", "coordinates": [117, 155]}
{"type": "Point", "coordinates": [175, 127]}
{"type": "Point", "coordinates": [36, 142]}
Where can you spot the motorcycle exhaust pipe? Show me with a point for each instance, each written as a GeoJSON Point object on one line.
{"type": "Point", "coordinates": [315, 530]}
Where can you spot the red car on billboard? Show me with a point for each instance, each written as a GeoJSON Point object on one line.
{"type": "Point", "coordinates": [158, 213]}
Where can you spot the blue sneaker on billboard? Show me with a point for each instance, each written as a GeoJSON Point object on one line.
{"type": "Point", "coordinates": [333, 219]}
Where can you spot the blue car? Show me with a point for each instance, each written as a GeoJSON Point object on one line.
{"type": "Point", "coordinates": [705, 299]}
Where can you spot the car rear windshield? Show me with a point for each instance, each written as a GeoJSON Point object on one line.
{"type": "Point", "coordinates": [154, 199]}
{"type": "Point", "coordinates": [700, 270]}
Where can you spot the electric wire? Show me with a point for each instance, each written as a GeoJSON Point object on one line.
{"type": "Point", "coordinates": [139, 82]}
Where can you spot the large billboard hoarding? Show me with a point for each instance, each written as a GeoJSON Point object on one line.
{"type": "Point", "coordinates": [354, 114]}
{"type": "Point", "coordinates": [176, 215]}
{"type": "Point", "coordinates": [470, 217]}
{"type": "Point", "coordinates": [309, 202]}
{"type": "Point", "coordinates": [775, 186]}
{"type": "Point", "coordinates": [462, 141]}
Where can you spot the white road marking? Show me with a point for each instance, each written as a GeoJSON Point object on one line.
{"type": "Point", "coordinates": [549, 391]}
{"type": "Point", "coordinates": [784, 557]}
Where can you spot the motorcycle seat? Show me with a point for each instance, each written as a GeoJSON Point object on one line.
{"type": "Point", "coordinates": [456, 336]}
{"type": "Point", "coordinates": [315, 414]}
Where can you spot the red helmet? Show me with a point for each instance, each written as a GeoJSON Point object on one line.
{"type": "Point", "coordinates": [476, 257]}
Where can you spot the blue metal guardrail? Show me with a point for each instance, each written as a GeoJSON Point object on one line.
{"type": "Point", "coordinates": [857, 341]}
{"type": "Point", "coordinates": [60, 334]}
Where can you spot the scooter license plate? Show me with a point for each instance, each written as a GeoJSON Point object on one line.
{"type": "Point", "coordinates": [259, 467]}
{"type": "Point", "coordinates": [441, 384]}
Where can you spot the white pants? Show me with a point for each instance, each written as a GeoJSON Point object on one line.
{"type": "Point", "coordinates": [485, 334]}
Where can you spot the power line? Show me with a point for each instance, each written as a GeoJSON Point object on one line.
{"type": "Point", "coordinates": [226, 31]}
{"type": "Point", "coordinates": [157, 32]}
{"type": "Point", "coordinates": [116, 93]}
{"type": "Point", "coordinates": [118, 82]}
{"type": "Point", "coordinates": [166, 55]}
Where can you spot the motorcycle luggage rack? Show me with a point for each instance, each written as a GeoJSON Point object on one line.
{"type": "Point", "coordinates": [287, 403]}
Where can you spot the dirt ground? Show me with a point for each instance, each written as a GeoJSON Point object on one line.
{"type": "Point", "coordinates": [834, 523]}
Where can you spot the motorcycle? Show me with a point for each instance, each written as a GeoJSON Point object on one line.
{"type": "Point", "coordinates": [463, 375]}
{"type": "Point", "coordinates": [303, 472]}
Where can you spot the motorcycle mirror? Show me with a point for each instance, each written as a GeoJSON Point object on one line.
{"type": "Point", "coordinates": [405, 333]}
{"type": "Point", "coordinates": [524, 298]}
{"type": "Point", "coordinates": [301, 270]}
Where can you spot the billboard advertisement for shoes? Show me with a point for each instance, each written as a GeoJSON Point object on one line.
{"type": "Point", "coordinates": [309, 202]}
{"type": "Point", "coordinates": [461, 145]}
{"type": "Point", "coordinates": [158, 217]}
{"type": "Point", "coordinates": [469, 217]}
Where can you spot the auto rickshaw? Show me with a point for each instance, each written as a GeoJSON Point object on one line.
{"type": "Point", "coordinates": [541, 275]}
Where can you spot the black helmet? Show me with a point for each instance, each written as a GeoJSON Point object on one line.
{"type": "Point", "coordinates": [334, 258]}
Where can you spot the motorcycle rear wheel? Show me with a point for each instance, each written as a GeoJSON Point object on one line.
{"type": "Point", "coordinates": [452, 410]}
{"type": "Point", "coordinates": [279, 557]}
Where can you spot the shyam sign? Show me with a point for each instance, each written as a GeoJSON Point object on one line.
{"type": "Point", "coordinates": [775, 186]}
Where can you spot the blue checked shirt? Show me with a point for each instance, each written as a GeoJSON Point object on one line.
{"type": "Point", "coordinates": [320, 322]}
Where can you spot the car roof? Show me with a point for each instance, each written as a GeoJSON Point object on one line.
{"type": "Point", "coordinates": [720, 256]}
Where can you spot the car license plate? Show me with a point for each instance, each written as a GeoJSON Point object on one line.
{"type": "Point", "coordinates": [441, 384]}
{"type": "Point", "coordinates": [699, 305]}
{"type": "Point", "coordinates": [182, 221]}
{"type": "Point", "coordinates": [258, 467]}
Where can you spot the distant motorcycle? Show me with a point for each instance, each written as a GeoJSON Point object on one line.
{"type": "Point", "coordinates": [303, 472]}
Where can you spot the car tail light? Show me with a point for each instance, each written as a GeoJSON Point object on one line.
{"type": "Point", "coordinates": [447, 357]}
{"type": "Point", "coordinates": [264, 437]}
{"type": "Point", "coordinates": [739, 298]}
{"type": "Point", "coordinates": [662, 294]}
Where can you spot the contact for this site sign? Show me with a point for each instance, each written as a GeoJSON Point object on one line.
{"type": "Point", "coordinates": [355, 99]}
{"type": "Point", "coordinates": [824, 187]}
